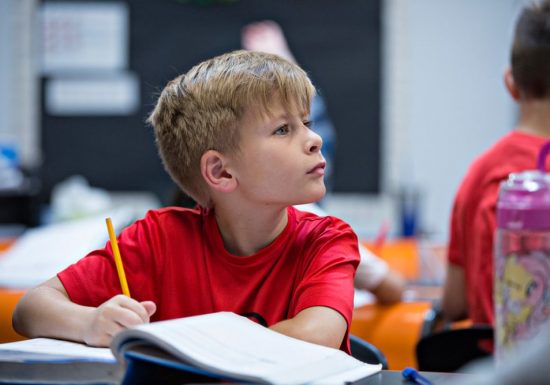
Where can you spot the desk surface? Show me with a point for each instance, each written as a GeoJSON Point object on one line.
{"type": "Point", "coordinates": [390, 377]}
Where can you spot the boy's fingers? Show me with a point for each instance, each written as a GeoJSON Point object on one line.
{"type": "Point", "coordinates": [150, 307]}
{"type": "Point", "coordinates": [127, 317]}
{"type": "Point", "coordinates": [135, 307]}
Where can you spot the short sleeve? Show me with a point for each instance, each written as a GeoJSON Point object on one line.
{"type": "Point", "coordinates": [328, 279]}
{"type": "Point", "coordinates": [94, 279]}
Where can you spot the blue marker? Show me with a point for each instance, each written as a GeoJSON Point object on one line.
{"type": "Point", "coordinates": [412, 375]}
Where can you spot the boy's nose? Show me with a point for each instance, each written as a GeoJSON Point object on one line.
{"type": "Point", "coordinates": [315, 142]}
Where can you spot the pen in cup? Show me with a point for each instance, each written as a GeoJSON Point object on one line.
{"type": "Point", "coordinates": [378, 242]}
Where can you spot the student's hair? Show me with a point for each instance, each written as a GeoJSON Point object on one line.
{"type": "Point", "coordinates": [201, 110]}
{"type": "Point", "coordinates": [531, 51]}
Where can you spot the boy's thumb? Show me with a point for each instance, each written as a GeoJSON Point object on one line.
{"type": "Point", "coordinates": [150, 307]}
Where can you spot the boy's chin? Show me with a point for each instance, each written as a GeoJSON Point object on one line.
{"type": "Point", "coordinates": [322, 193]}
{"type": "Point", "coordinates": [313, 198]}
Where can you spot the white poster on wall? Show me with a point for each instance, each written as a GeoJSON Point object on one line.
{"type": "Point", "coordinates": [117, 94]}
{"type": "Point", "coordinates": [84, 37]}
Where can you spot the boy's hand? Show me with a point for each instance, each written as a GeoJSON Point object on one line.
{"type": "Point", "coordinates": [114, 315]}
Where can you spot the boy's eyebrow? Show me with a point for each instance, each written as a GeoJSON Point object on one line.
{"type": "Point", "coordinates": [286, 113]}
{"type": "Point", "coordinates": [286, 117]}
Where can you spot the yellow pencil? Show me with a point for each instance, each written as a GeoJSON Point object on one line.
{"type": "Point", "coordinates": [118, 259]}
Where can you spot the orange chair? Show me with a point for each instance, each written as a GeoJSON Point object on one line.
{"type": "Point", "coordinates": [400, 254]}
{"type": "Point", "coordinates": [394, 329]}
{"type": "Point", "coordinates": [8, 300]}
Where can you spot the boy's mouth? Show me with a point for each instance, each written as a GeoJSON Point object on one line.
{"type": "Point", "coordinates": [318, 169]}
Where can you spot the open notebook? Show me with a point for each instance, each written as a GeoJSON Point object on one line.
{"type": "Point", "coordinates": [218, 346]}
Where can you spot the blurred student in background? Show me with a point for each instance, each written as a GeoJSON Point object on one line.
{"type": "Point", "coordinates": [468, 290]}
{"type": "Point", "coordinates": [373, 273]}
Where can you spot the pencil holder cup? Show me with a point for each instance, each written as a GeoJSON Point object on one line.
{"type": "Point", "coordinates": [522, 258]}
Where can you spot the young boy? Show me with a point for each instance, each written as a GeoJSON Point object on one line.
{"type": "Point", "coordinates": [468, 289]}
{"type": "Point", "coordinates": [234, 134]}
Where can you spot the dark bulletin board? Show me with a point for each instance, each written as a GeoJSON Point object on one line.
{"type": "Point", "coordinates": [337, 42]}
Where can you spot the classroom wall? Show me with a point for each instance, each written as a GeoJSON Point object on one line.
{"type": "Point", "coordinates": [338, 45]}
{"type": "Point", "coordinates": [443, 103]}
{"type": "Point", "coordinates": [18, 85]}
{"type": "Point", "coordinates": [444, 99]}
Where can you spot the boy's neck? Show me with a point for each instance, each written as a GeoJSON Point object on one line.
{"type": "Point", "coordinates": [247, 232]}
{"type": "Point", "coordinates": [535, 117]}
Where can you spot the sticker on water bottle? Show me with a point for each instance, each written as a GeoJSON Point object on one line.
{"type": "Point", "coordinates": [522, 292]}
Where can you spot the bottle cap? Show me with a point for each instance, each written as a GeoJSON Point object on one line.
{"type": "Point", "coordinates": [524, 199]}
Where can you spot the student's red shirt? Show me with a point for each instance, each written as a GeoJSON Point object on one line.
{"type": "Point", "coordinates": [176, 258]}
{"type": "Point", "coordinates": [473, 222]}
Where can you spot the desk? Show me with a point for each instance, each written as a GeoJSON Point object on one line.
{"type": "Point", "coordinates": [394, 329]}
{"type": "Point", "coordinates": [389, 377]}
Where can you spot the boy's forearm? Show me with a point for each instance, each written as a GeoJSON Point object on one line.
{"type": "Point", "coordinates": [46, 312]}
{"type": "Point", "coordinates": [319, 325]}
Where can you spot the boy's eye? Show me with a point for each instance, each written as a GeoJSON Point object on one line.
{"type": "Point", "coordinates": [281, 130]}
{"type": "Point", "coordinates": [308, 124]}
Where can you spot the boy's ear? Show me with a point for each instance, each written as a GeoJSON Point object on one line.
{"type": "Point", "coordinates": [215, 173]}
{"type": "Point", "coordinates": [511, 84]}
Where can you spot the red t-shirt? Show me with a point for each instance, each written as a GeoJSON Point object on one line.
{"type": "Point", "coordinates": [473, 221]}
{"type": "Point", "coordinates": [176, 258]}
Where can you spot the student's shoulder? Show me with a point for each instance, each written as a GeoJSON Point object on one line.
{"type": "Point", "coordinates": [316, 220]}
{"type": "Point", "coordinates": [172, 214]}
{"type": "Point", "coordinates": [320, 233]}
{"type": "Point", "coordinates": [513, 152]}
{"type": "Point", "coordinates": [492, 155]}
{"type": "Point", "coordinates": [174, 211]}
{"type": "Point", "coordinates": [168, 222]}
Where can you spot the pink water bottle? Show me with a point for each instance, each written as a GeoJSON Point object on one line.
{"type": "Point", "coordinates": [522, 257]}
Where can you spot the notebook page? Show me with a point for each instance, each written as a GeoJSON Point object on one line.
{"type": "Point", "coordinates": [54, 350]}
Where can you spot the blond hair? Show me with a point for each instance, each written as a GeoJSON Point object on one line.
{"type": "Point", "coordinates": [200, 110]}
